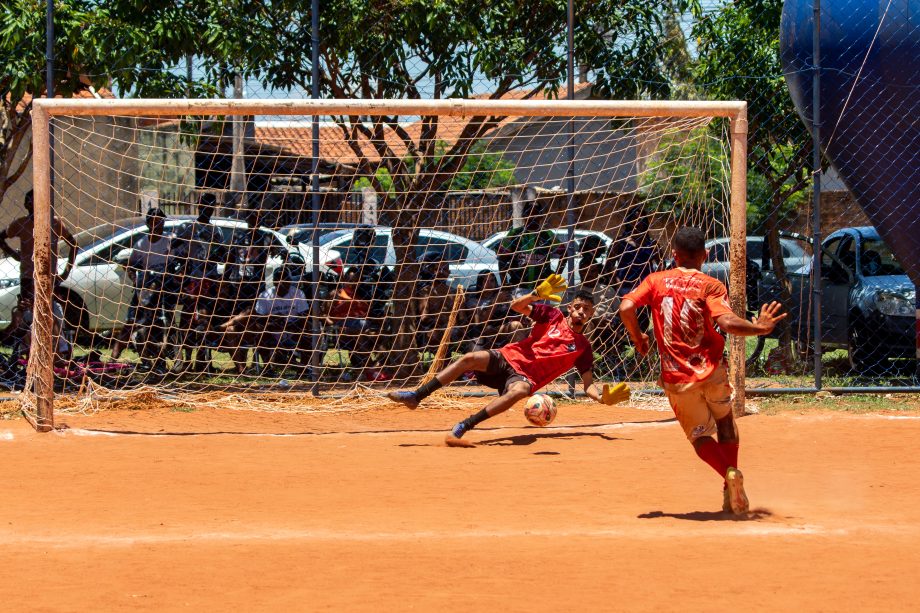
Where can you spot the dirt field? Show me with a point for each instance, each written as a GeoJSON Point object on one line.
{"type": "Point", "coordinates": [608, 509]}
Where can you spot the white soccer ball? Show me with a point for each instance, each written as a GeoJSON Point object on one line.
{"type": "Point", "coordinates": [540, 410]}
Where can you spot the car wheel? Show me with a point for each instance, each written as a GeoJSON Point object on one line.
{"type": "Point", "coordinates": [864, 353]}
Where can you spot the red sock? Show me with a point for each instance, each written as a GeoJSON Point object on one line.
{"type": "Point", "coordinates": [711, 453]}
{"type": "Point", "coordinates": [730, 451]}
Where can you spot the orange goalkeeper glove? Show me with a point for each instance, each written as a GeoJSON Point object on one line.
{"type": "Point", "coordinates": [616, 393]}
{"type": "Point", "coordinates": [551, 288]}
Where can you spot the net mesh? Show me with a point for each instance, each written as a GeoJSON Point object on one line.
{"type": "Point", "coordinates": [194, 277]}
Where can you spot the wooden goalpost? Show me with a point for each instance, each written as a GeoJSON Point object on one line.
{"type": "Point", "coordinates": [37, 399]}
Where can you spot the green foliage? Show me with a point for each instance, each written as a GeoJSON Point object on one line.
{"type": "Point", "coordinates": [689, 169]}
{"type": "Point", "coordinates": [738, 48]}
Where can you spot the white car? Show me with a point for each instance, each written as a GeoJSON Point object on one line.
{"type": "Point", "coordinates": [97, 293]}
{"type": "Point", "coordinates": [562, 235]}
{"type": "Point", "coordinates": [465, 258]}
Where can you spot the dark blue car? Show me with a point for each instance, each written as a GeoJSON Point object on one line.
{"type": "Point", "coordinates": [868, 302]}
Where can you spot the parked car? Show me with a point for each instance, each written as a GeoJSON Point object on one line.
{"type": "Point", "coordinates": [465, 258]}
{"type": "Point", "coordinates": [305, 232]}
{"type": "Point", "coordinates": [867, 300]}
{"type": "Point", "coordinates": [796, 252]}
{"type": "Point", "coordinates": [561, 236]}
{"type": "Point", "coordinates": [97, 293]}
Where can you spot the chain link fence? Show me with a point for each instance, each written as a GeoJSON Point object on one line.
{"type": "Point", "coordinates": [852, 308]}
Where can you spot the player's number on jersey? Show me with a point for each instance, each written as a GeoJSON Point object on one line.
{"type": "Point", "coordinates": [683, 324]}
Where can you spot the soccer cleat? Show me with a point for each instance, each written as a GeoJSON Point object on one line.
{"type": "Point", "coordinates": [738, 500]}
{"type": "Point", "coordinates": [408, 399]}
{"type": "Point", "coordinates": [455, 438]}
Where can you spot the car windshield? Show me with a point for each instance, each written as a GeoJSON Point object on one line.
{"type": "Point", "coordinates": [878, 261]}
{"type": "Point", "coordinates": [325, 239]}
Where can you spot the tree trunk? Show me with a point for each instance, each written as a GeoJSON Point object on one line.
{"type": "Point", "coordinates": [782, 281]}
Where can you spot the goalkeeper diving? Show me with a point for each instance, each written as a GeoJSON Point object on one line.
{"type": "Point", "coordinates": [517, 370]}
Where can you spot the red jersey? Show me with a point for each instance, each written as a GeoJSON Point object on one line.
{"type": "Point", "coordinates": [684, 304]}
{"type": "Point", "coordinates": [551, 349]}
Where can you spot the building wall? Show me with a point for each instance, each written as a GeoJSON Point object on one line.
{"type": "Point", "coordinates": [96, 172]}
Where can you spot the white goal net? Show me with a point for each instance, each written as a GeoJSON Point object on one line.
{"type": "Point", "coordinates": [272, 253]}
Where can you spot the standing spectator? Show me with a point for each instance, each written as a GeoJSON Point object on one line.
{"type": "Point", "coordinates": [23, 229]}
{"type": "Point", "coordinates": [432, 302]}
{"type": "Point", "coordinates": [198, 248]}
{"type": "Point", "coordinates": [589, 268]}
{"type": "Point", "coordinates": [244, 275]}
{"type": "Point", "coordinates": [148, 269]}
{"type": "Point", "coordinates": [633, 257]}
{"type": "Point", "coordinates": [525, 252]}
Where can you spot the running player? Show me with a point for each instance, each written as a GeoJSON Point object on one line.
{"type": "Point", "coordinates": [684, 304]}
{"type": "Point", "coordinates": [517, 370]}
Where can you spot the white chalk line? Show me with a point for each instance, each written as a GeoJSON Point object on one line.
{"type": "Point", "coordinates": [733, 529]}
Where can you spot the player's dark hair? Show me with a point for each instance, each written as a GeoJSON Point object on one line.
{"type": "Point", "coordinates": [689, 241]}
{"type": "Point", "coordinates": [585, 295]}
{"type": "Point", "coordinates": [155, 213]}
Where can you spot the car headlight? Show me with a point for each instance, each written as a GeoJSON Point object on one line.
{"type": "Point", "coordinates": [10, 282]}
{"type": "Point", "coordinates": [898, 304]}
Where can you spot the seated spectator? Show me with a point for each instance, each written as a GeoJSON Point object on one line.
{"type": "Point", "coordinates": [149, 269]}
{"type": "Point", "coordinates": [273, 326]}
{"type": "Point", "coordinates": [499, 325]}
{"type": "Point", "coordinates": [244, 275]}
{"type": "Point", "coordinates": [358, 306]}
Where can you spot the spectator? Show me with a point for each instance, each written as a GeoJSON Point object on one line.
{"type": "Point", "coordinates": [589, 267]}
{"type": "Point", "coordinates": [498, 324]}
{"type": "Point", "coordinates": [359, 306]}
{"type": "Point", "coordinates": [244, 276]}
{"type": "Point", "coordinates": [198, 248]}
{"type": "Point", "coordinates": [148, 269]}
{"type": "Point", "coordinates": [633, 256]}
{"type": "Point", "coordinates": [525, 252]}
{"type": "Point", "coordinates": [273, 325]}
{"type": "Point", "coordinates": [22, 228]}
{"type": "Point", "coordinates": [433, 301]}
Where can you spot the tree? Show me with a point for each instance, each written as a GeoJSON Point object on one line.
{"type": "Point", "coordinates": [131, 46]}
{"type": "Point", "coordinates": [738, 59]}
{"type": "Point", "coordinates": [419, 49]}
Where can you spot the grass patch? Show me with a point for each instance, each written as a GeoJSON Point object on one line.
{"type": "Point", "coordinates": [845, 403]}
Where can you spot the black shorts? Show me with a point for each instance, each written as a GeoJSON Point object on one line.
{"type": "Point", "coordinates": [499, 373]}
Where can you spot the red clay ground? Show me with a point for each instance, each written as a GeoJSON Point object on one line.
{"type": "Point", "coordinates": [606, 510]}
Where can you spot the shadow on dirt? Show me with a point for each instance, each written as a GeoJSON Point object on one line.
{"type": "Point", "coordinates": [753, 515]}
{"type": "Point", "coordinates": [530, 439]}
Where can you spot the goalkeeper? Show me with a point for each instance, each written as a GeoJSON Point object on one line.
{"type": "Point", "coordinates": [517, 370]}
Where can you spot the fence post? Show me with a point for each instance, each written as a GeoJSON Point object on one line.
{"type": "Point", "coordinates": [816, 191]}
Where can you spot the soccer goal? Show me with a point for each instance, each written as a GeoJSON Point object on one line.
{"type": "Point", "coordinates": [310, 255]}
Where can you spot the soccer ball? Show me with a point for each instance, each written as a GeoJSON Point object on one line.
{"type": "Point", "coordinates": [540, 410]}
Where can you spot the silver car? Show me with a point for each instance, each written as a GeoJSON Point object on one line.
{"type": "Point", "coordinates": [466, 258]}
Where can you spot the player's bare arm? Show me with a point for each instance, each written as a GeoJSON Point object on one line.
{"type": "Point", "coordinates": [68, 237]}
{"type": "Point", "coordinates": [9, 251]}
{"type": "Point", "coordinates": [770, 315]}
{"type": "Point", "coordinates": [631, 321]}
